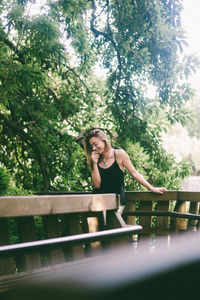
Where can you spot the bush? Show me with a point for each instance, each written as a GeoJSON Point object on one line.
{"type": "Point", "coordinates": [8, 186]}
{"type": "Point", "coordinates": [4, 180]}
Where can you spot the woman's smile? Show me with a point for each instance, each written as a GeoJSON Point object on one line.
{"type": "Point", "coordinates": [97, 145]}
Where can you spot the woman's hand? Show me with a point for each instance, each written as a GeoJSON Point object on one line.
{"type": "Point", "coordinates": [95, 157]}
{"type": "Point", "coordinates": [96, 179]}
{"type": "Point", "coordinates": [158, 190]}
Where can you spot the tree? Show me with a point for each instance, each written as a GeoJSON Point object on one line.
{"type": "Point", "coordinates": [4, 180]}
{"type": "Point", "coordinates": [39, 91]}
{"type": "Point", "coordinates": [139, 43]}
{"type": "Point", "coordinates": [49, 94]}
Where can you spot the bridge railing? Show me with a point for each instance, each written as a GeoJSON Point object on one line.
{"type": "Point", "coordinates": [52, 229]}
{"type": "Point", "coordinates": [162, 214]}
{"type": "Point", "coordinates": [62, 231]}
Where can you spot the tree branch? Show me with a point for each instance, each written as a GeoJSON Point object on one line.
{"type": "Point", "coordinates": [108, 37]}
{"type": "Point", "coordinates": [78, 76]}
{"type": "Point", "coordinates": [14, 49]}
{"type": "Point", "coordinates": [33, 144]}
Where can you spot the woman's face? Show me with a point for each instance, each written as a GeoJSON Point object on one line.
{"type": "Point", "coordinates": [97, 145]}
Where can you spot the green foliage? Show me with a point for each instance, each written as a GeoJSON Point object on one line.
{"type": "Point", "coordinates": [194, 125]}
{"type": "Point", "coordinates": [42, 98]}
{"type": "Point", "coordinates": [50, 96]}
{"type": "Point", "coordinates": [189, 144]}
{"type": "Point", "coordinates": [13, 231]}
{"type": "Point", "coordinates": [8, 186]}
{"type": "Point", "coordinates": [13, 190]}
{"type": "Point", "coordinates": [4, 180]}
{"type": "Point", "coordinates": [167, 173]}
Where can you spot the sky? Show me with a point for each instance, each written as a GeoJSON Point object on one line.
{"type": "Point", "coordinates": [178, 142]}
{"type": "Point", "coordinates": [191, 24]}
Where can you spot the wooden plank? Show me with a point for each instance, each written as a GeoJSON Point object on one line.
{"type": "Point", "coordinates": [115, 220]}
{"type": "Point", "coordinates": [198, 223]}
{"type": "Point", "coordinates": [87, 222]}
{"type": "Point", "coordinates": [53, 230]}
{"type": "Point", "coordinates": [130, 206]}
{"type": "Point", "coordinates": [7, 265]}
{"type": "Point", "coordinates": [179, 224]}
{"type": "Point", "coordinates": [149, 196]}
{"type": "Point", "coordinates": [175, 214]}
{"type": "Point", "coordinates": [79, 239]}
{"type": "Point", "coordinates": [27, 233]}
{"type": "Point", "coordinates": [71, 225]}
{"type": "Point", "coordinates": [189, 196]}
{"type": "Point", "coordinates": [194, 210]}
{"type": "Point", "coordinates": [145, 221]}
{"type": "Point", "coordinates": [162, 222]}
{"type": "Point", "coordinates": [85, 229]}
{"type": "Point", "coordinates": [46, 205]}
{"type": "Point", "coordinates": [11, 281]}
{"type": "Point", "coordinates": [95, 224]}
{"type": "Point", "coordinates": [130, 220]}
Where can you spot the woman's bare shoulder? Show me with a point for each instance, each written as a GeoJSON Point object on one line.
{"type": "Point", "coordinates": [120, 152]}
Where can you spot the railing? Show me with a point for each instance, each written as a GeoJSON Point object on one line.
{"type": "Point", "coordinates": [171, 212]}
{"type": "Point", "coordinates": [75, 226]}
{"type": "Point", "coordinates": [56, 243]}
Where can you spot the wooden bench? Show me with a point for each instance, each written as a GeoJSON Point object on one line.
{"type": "Point", "coordinates": [163, 214]}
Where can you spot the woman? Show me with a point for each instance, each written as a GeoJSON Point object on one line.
{"type": "Point", "coordinates": [108, 164]}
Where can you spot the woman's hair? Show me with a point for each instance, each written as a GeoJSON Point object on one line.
{"type": "Point", "coordinates": [94, 132]}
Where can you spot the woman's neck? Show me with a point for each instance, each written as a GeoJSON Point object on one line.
{"type": "Point", "coordinates": [106, 155]}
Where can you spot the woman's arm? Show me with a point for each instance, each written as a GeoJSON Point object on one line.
{"type": "Point", "coordinates": [126, 162]}
{"type": "Point", "coordinates": [96, 179]}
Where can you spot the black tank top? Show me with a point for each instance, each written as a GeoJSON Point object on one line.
{"type": "Point", "coordinates": [112, 180]}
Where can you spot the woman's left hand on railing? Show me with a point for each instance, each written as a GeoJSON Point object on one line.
{"type": "Point", "coordinates": [158, 190]}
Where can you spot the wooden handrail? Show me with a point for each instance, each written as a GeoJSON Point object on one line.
{"type": "Point", "coordinates": [19, 206]}
{"type": "Point", "coordinates": [166, 196]}
{"type": "Point", "coordinates": [163, 214]}
{"type": "Point", "coordinates": [30, 247]}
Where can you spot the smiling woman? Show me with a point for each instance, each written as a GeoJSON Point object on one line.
{"type": "Point", "coordinates": [107, 165]}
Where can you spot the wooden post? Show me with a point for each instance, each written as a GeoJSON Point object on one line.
{"type": "Point", "coordinates": [26, 230]}
{"type": "Point", "coordinates": [92, 222]}
{"type": "Point", "coordinates": [162, 222]}
{"type": "Point", "coordinates": [145, 221]}
{"type": "Point", "coordinates": [194, 210]}
{"type": "Point", "coordinates": [7, 265]}
{"type": "Point", "coordinates": [180, 224]}
{"type": "Point", "coordinates": [52, 230]}
{"type": "Point", "coordinates": [115, 220]}
{"type": "Point", "coordinates": [130, 206]}
{"type": "Point", "coordinates": [94, 225]}
{"type": "Point", "coordinates": [71, 224]}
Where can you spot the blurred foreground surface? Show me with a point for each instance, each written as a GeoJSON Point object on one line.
{"type": "Point", "coordinates": [164, 273]}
